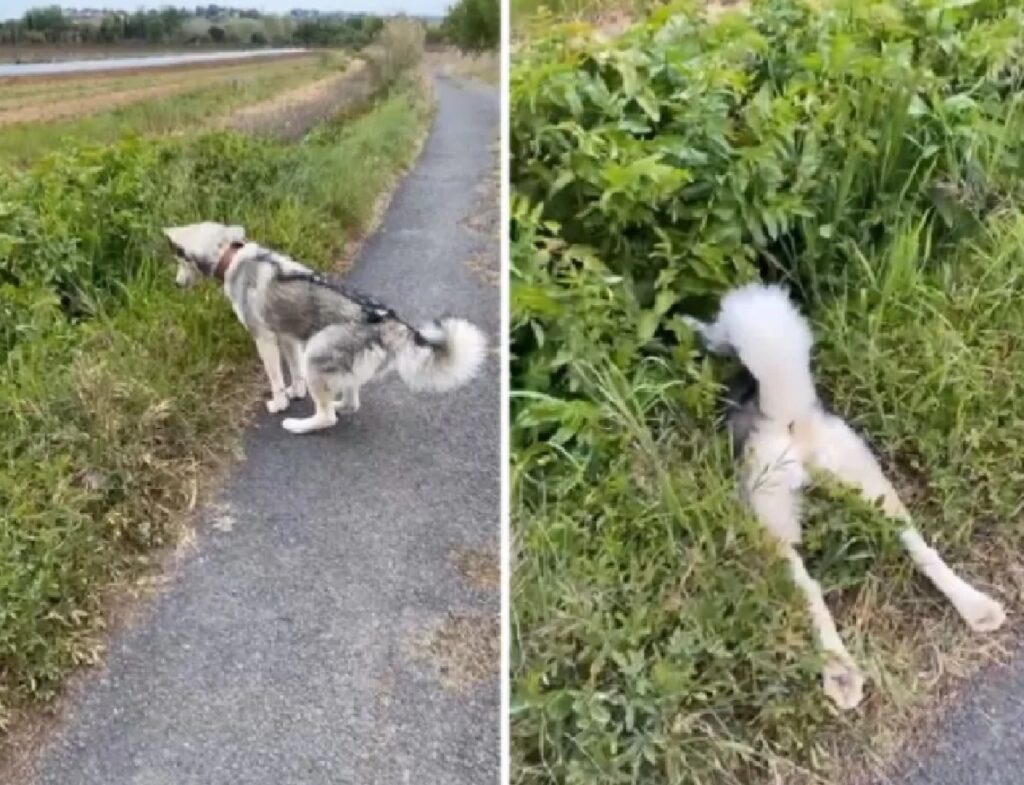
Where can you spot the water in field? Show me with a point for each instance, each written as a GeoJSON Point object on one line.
{"type": "Point", "coordinates": [131, 63]}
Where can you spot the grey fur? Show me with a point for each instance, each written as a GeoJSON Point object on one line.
{"type": "Point", "coordinates": [742, 411]}
{"type": "Point", "coordinates": [739, 403]}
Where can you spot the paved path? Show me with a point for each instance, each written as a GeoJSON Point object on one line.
{"type": "Point", "coordinates": [288, 649]}
{"type": "Point", "coordinates": [981, 740]}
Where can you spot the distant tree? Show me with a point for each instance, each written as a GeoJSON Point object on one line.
{"type": "Point", "coordinates": [50, 22]}
{"type": "Point", "coordinates": [193, 25]}
{"type": "Point", "coordinates": [473, 25]}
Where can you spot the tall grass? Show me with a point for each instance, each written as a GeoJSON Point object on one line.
{"type": "Point", "coordinates": [397, 48]}
{"type": "Point", "coordinates": [114, 386]}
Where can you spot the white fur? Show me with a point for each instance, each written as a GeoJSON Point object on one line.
{"type": "Point", "coordinates": [762, 326]}
{"type": "Point", "coordinates": [462, 352]}
{"type": "Point", "coordinates": [206, 240]}
{"type": "Point", "coordinates": [774, 343]}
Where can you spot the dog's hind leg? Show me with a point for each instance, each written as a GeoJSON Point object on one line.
{"type": "Point", "coordinates": [844, 454]}
{"type": "Point", "coordinates": [270, 354]}
{"type": "Point", "coordinates": [773, 491]}
{"type": "Point", "coordinates": [349, 403]}
{"type": "Point", "coordinates": [292, 351]}
{"type": "Point", "coordinates": [841, 678]}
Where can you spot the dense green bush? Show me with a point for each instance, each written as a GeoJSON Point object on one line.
{"type": "Point", "coordinates": [690, 157]}
{"type": "Point", "coordinates": [473, 25]}
{"type": "Point", "coordinates": [869, 155]}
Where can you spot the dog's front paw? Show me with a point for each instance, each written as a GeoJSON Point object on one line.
{"type": "Point", "coordinates": [296, 390]}
{"type": "Point", "coordinates": [843, 683]}
{"type": "Point", "coordinates": [278, 403]}
{"type": "Point", "coordinates": [982, 613]}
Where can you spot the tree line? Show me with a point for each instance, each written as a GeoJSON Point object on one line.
{"type": "Point", "coordinates": [169, 25]}
{"type": "Point", "coordinates": [471, 25]}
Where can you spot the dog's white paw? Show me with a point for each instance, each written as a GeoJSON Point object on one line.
{"type": "Point", "coordinates": [345, 407]}
{"type": "Point", "coordinates": [297, 390]}
{"type": "Point", "coordinates": [843, 683]}
{"type": "Point", "coordinates": [277, 404]}
{"type": "Point", "coordinates": [982, 613]}
{"type": "Point", "coordinates": [308, 424]}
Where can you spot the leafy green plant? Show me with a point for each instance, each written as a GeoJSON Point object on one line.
{"type": "Point", "coordinates": [473, 25]}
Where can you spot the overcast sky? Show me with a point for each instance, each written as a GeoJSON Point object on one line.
{"type": "Point", "coordinates": [15, 8]}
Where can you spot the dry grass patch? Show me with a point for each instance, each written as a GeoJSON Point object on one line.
{"type": "Point", "coordinates": [479, 567]}
{"type": "Point", "coordinates": [463, 649]}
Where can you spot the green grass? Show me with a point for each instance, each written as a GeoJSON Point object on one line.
{"type": "Point", "coordinates": [22, 144]}
{"type": "Point", "coordinates": [118, 393]}
{"type": "Point", "coordinates": [656, 635]}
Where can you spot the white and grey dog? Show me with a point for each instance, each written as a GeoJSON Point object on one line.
{"type": "Point", "coordinates": [781, 432]}
{"type": "Point", "coordinates": [333, 340]}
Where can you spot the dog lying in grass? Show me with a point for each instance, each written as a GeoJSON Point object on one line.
{"type": "Point", "coordinates": [333, 340]}
{"type": "Point", "coordinates": [781, 432]}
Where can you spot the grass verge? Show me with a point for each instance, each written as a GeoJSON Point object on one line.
{"type": "Point", "coordinates": [113, 384]}
{"type": "Point", "coordinates": [656, 637]}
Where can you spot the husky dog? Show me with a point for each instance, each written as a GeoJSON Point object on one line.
{"type": "Point", "coordinates": [333, 339]}
{"type": "Point", "coordinates": [781, 432]}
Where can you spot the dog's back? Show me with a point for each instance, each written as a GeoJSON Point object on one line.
{"type": "Point", "coordinates": [275, 293]}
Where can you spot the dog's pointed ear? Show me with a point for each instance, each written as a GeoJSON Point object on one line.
{"type": "Point", "coordinates": [236, 234]}
{"type": "Point", "coordinates": [174, 237]}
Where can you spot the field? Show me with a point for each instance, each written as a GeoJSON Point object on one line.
{"type": "Point", "coordinates": [37, 114]}
{"type": "Point", "coordinates": [868, 156]}
{"type": "Point", "coordinates": [118, 393]}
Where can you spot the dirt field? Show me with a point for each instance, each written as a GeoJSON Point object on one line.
{"type": "Point", "coordinates": [289, 115]}
{"type": "Point", "coordinates": [44, 99]}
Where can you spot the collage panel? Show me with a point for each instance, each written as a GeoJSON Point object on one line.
{"type": "Point", "coordinates": [250, 393]}
{"type": "Point", "coordinates": [764, 373]}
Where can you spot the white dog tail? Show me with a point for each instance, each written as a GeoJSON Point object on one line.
{"type": "Point", "coordinates": [442, 355]}
{"type": "Point", "coordinates": [774, 342]}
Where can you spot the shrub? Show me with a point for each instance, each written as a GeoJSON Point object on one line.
{"type": "Point", "coordinates": [473, 25]}
{"type": "Point", "coordinates": [397, 49]}
{"type": "Point", "coordinates": [691, 156]}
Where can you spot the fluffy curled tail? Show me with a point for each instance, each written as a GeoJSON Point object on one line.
{"type": "Point", "coordinates": [770, 337]}
{"type": "Point", "coordinates": [442, 355]}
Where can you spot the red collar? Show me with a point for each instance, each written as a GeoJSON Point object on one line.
{"type": "Point", "coordinates": [225, 260]}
